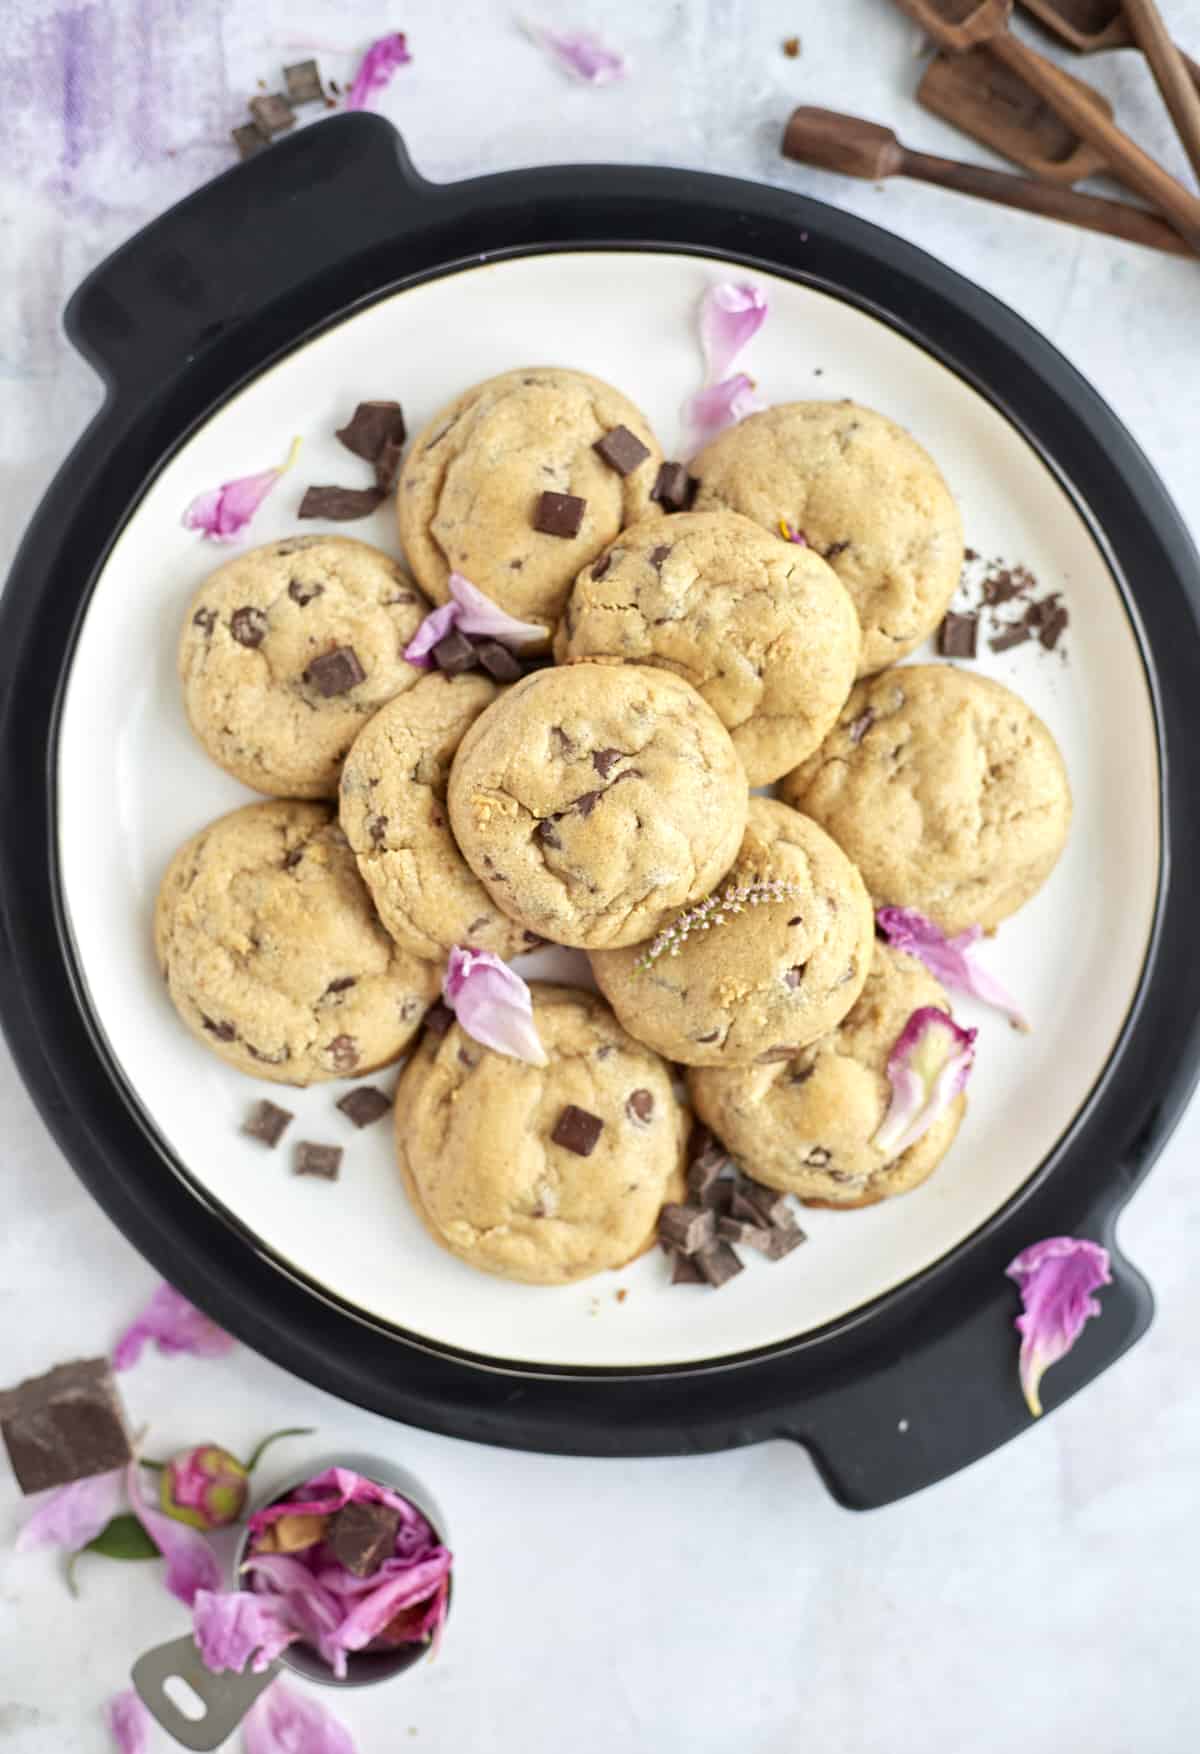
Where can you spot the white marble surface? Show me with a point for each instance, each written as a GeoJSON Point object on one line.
{"type": "Point", "coordinates": [1044, 1599]}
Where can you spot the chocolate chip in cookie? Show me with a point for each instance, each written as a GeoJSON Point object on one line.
{"type": "Point", "coordinates": [497, 660]}
{"type": "Point", "coordinates": [559, 514]}
{"type": "Point", "coordinates": [454, 654]}
{"type": "Point", "coordinates": [304, 593]}
{"type": "Point", "coordinates": [335, 672]}
{"type": "Point", "coordinates": [248, 626]}
{"type": "Point", "coordinates": [622, 450]}
{"type": "Point", "coordinates": [577, 1130]}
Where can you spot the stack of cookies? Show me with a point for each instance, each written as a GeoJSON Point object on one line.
{"type": "Point", "coordinates": [707, 629]}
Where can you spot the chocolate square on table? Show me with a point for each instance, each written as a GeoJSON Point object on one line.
{"type": "Point", "coordinates": [364, 1106]}
{"type": "Point", "coordinates": [321, 1160]}
{"type": "Point", "coordinates": [387, 465]}
{"type": "Point", "coordinates": [958, 635]}
{"type": "Point", "coordinates": [362, 1536]}
{"type": "Point", "coordinates": [303, 81]}
{"type": "Point", "coordinates": [64, 1426]}
{"type": "Point", "coordinates": [272, 113]}
{"type": "Point", "coordinates": [674, 488]}
{"type": "Point", "coordinates": [559, 514]}
{"type": "Point", "coordinates": [267, 1122]}
{"type": "Point", "coordinates": [249, 139]}
{"type": "Point", "coordinates": [371, 427]}
{"type": "Point", "coordinates": [577, 1130]}
{"type": "Point", "coordinates": [622, 450]}
{"type": "Point", "coordinates": [335, 672]}
{"type": "Point", "coordinates": [341, 505]}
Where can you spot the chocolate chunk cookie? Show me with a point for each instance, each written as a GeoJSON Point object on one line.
{"type": "Point", "coordinates": [805, 1125]}
{"type": "Point", "coordinates": [946, 790]}
{"type": "Point", "coordinates": [393, 809]}
{"type": "Point", "coordinates": [272, 953]}
{"type": "Point", "coordinates": [472, 493]}
{"type": "Point", "coordinates": [761, 628]}
{"type": "Point", "coordinates": [862, 493]}
{"type": "Point", "coordinates": [775, 962]}
{"type": "Point", "coordinates": [542, 1174]}
{"type": "Point", "coordinates": [286, 652]}
{"type": "Point", "coordinates": [594, 801]}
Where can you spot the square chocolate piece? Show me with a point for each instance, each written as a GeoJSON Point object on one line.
{"type": "Point", "coordinates": [686, 1228]}
{"type": "Point", "coordinates": [273, 113]}
{"type": "Point", "coordinates": [559, 514]}
{"type": "Point", "coordinates": [454, 654]}
{"type": "Point", "coordinates": [719, 1264]}
{"type": "Point", "coordinates": [362, 1536]}
{"type": "Point", "coordinates": [958, 636]}
{"type": "Point", "coordinates": [66, 1425]}
{"type": "Point", "coordinates": [303, 81]}
{"type": "Point", "coordinates": [322, 1160]}
{"type": "Point", "coordinates": [371, 427]}
{"type": "Point", "coordinates": [684, 1271]}
{"type": "Point", "coordinates": [364, 1105]}
{"type": "Point", "coordinates": [335, 672]}
{"type": "Point", "coordinates": [249, 139]}
{"type": "Point", "coordinates": [577, 1130]}
{"type": "Point", "coordinates": [497, 660]}
{"type": "Point", "coordinates": [674, 487]}
{"type": "Point", "coordinates": [267, 1122]}
{"type": "Point", "coordinates": [622, 450]}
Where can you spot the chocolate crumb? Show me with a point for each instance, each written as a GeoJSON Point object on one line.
{"type": "Point", "coordinates": [321, 1160]}
{"type": "Point", "coordinates": [341, 505]}
{"type": "Point", "coordinates": [577, 1130]}
{"type": "Point", "coordinates": [205, 618]}
{"type": "Point", "coordinates": [222, 1031]}
{"type": "Point", "coordinates": [559, 514]}
{"type": "Point", "coordinates": [343, 1053]}
{"type": "Point", "coordinates": [267, 1122]}
{"type": "Point", "coordinates": [791, 47]}
{"type": "Point", "coordinates": [364, 1105]}
{"type": "Point", "coordinates": [604, 760]}
{"type": "Point", "coordinates": [658, 555]}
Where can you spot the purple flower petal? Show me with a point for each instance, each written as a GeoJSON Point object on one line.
{"type": "Point", "coordinates": [175, 1326]}
{"type": "Point", "coordinates": [478, 615]}
{"type": "Point", "coordinates": [949, 959]}
{"type": "Point", "coordinates": [282, 1721]}
{"type": "Point", "coordinates": [731, 314]}
{"type": "Point", "coordinates": [928, 1067]}
{"type": "Point", "coordinates": [234, 1627]}
{"type": "Point", "coordinates": [129, 1722]}
{"type": "Point", "coordinates": [74, 1515]}
{"type": "Point", "coordinates": [377, 68]}
{"type": "Point", "coordinates": [372, 1613]}
{"type": "Point", "coordinates": [328, 1492]}
{"type": "Point", "coordinates": [579, 53]}
{"type": "Point", "coordinates": [717, 406]}
{"type": "Point", "coordinates": [492, 1003]}
{"type": "Point", "coordinates": [1056, 1279]}
{"type": "Point", "coordinates": [223, 512]}
{"type": "Point", "coordinates": [191, 1562]}
{"type": "Point", "coordinates": [301, 1601]}
{"type": "Point", "coordinates": [435, 627]}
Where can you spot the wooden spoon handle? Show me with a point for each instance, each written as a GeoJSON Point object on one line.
{"type": "Point", "coordinates": [1167, 64]}
{"type": "Point", "coordinates": [1051, 200]}
{"type": "Point", "coordinates": [1125, 157]}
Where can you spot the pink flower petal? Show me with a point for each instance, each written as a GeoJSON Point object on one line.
{"type": "Point", "coordinates": [372, 1613]}
{"type": "Point", "coordinates": [928, 1067]}
{"type": "Point", "coordinates": [949, 959]}
{"type": "Point", "coordinates": [377, 68]}
{"type": "Point", "coordinates": [493, 1004]}
{"type": "Point", "coordinates": [435, 627]}
{"type": "Point", "coordinates": [233, 1628]}
{"type": "Point", "coordinates": [302, 1601]}
{"type": "Point", "coordinates": [328, 1492]}
{"type": "Point", "coordinates": [717, 406]}
{"type": "Point", "coordinates": [74, 1515]}
{"type": "Point", "coordinates": [1056, 1279]}
{"type": "Point", "coordinates": [731, 314]}
{"type": "Point", "coordinates": [282, 1721]}
{"type": "Point", "coordinates": [579, 53]}
{"type": "Point", "coordinates": [175, 1326]}
{"type": "Point", "coordinates": [191, 1562]}
{"type": "Point", "coordinates": [478, 615]}
{"type": "Point", "coordinates": [129, 1722]}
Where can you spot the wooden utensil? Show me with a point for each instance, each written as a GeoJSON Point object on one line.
{"type": "Point", "coordinates": [992, 103]}
{"type": "Point", "coordinates": [1089, 25]}
{"type": "Point", "coordinates": [855, 148]}
{"type": "Point", "coordinates": [963, 24]}
{"type": "Point", "coordinates": [1170, 73]}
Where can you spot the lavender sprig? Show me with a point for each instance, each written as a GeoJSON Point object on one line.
{"type": "Point", "coordinates": [714, 910]}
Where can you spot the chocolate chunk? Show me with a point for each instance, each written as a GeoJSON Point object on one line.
{"type": "Point", "coordinates": [587, 802]}
{"type": "Point", "coordinates": [718, 1264]}
{"type": "Point", "coordinates": [759, 1205]}
{"type": "Point", "coordinates": [335, 672]}
{"type": "Point", "coordinates": [303, 593]}
{"type": "Point", "coordinates": [622, 450]}
{"type": "Point", "coordinates": [686, 1228]}
{"type": "Point", "coordinates": [387, 465]}
{"type": "Point", "coordinates": [546, 833]}
{"type": "Point", "coordinates": [370, 427]}
{"type": "Point", "coordinates": [205, 618]}
{"type": "Point", "coordinates": [268, 1122]}
{"type": "Point", "coordinates": [836, 548]}
{"type": "Point", "coordinates": [497, 660]}
{"type": "Point", "coordinates": [1048, 619]}
{"type": "Point", "coordinates": [602, 565]}
{"type": "Point", "coordinates": [292, 859]}
{"type": "Point", "coordinates": [791, 47]}
{"type": "Point", "coordinates": [703, 1174]}
{"type": "Point", "coordinates": [658, 555]}
{"type": "Point", "coordinates": [858, 728]}
{"type": "Point", "coordinates": [639, 1106]}
{"type": "Point", "coordinates": [322, 1160]}
{"type": "Point", "coordinates": [248, 139]}
{"type": "Point", "coordinates": [576, 1130]}
{"type": "Point", "coordinates": [1014, 635]}
{"type": "Point", "coordinates": [303, 81]}
{"type": "Point", "coordinates": [343, 1052]}
{"type": "Point", "coordinates": [248, 626]}
{"type": "Point", "coordinates": [958, 636]}
{"type": "Point", "coordinates": [341, 505]}
{"type": "Point", "coordinates": [740, 1230]}
{"type": "Point", "coordinates": [782, 1239]}
{"type": "Point", "coordinates": [559, 514]}
{"type": "Point", "coordinates": [438, 1018]}
{"type": "Point", "coordinates": [454, 654]}
{"type": "Point", "coordinates": [222, 1031]}
{"type": "Point", "coordinates": [273, 114]}
{"type": "Point", "coordinates": [674, 487]}
{"type": "Point", "coordinates": [362, 1536]}
{"type": "Point", "coordinates": [66, 1425]}
{"type": "Point", "coordinates": [684, 1271]}
{"type": "Point", "coordinates": [364, 1105]}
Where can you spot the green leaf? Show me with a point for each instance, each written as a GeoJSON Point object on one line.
{"type": "Point", "coordinates": [122, 1538]}
{"type": "Point", "coordinates": [264, 1446]}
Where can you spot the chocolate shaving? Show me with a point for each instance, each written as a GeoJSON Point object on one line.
{"type": "Point", "coordinates": [341, 505]}
{"type": "Point", "coordinates": [364, 1105]}
{"type": "Point", "coordinates": [267, 1122]}
{"type": "Point", "coordinates": [371, 427]}
{"type": "Point", "coordinates": [387, 465]}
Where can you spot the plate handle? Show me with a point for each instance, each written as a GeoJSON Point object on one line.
{"type": "Point", "coordinates": [322, 201]}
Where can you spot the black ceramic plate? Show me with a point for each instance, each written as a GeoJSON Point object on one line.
{"type": "Point", "coordinates": [889, 1393]}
